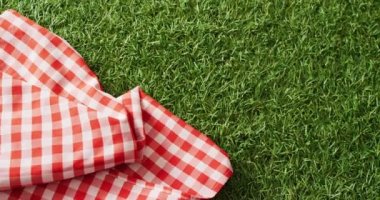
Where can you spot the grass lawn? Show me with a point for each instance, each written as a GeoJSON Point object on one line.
{"type": "Point", "coordinates": [290, 89]}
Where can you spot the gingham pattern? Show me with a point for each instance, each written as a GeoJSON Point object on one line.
{"type": "Point", "coordinates": [62, 137]}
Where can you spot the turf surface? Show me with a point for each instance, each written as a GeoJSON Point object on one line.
{"type": "Point", "coordinates": [290, 88]}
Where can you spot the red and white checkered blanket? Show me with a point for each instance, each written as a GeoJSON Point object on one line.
{"type": "Point", "coordinates": [62, 137]}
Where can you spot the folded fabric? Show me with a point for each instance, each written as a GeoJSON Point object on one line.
{"type": "Point", "coordinates": [61, 136]}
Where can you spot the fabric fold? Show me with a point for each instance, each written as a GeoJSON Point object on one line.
{"type": "Point", "coordinates": [46, 138]}
{"type": "Point", "coordinates": [61, 136]}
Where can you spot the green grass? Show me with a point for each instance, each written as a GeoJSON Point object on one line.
{"type": "Point", "coordinates": [290, 88]}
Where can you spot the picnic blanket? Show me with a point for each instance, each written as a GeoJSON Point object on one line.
{"type": "Point", "coordinates": [63, 137]}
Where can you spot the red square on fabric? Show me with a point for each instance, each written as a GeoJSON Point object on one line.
{"type": "Point", "coordinates": [44, 53]}
{"type": "Point", "coordinates": [56, 41]}
{"type": "Point", "coordinates": [37, 152]}
{"type": "Point", "coordinates": [16, 154]}
{"type": "Point", "coordinates": [94, 124]}
{"type": "Point", "coordinates": [57, 149]}
{"type": "Point", "coordinates": [16, 137]}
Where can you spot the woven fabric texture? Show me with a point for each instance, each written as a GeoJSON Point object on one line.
{"type": "Point", "coordinates": [62, 137]}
